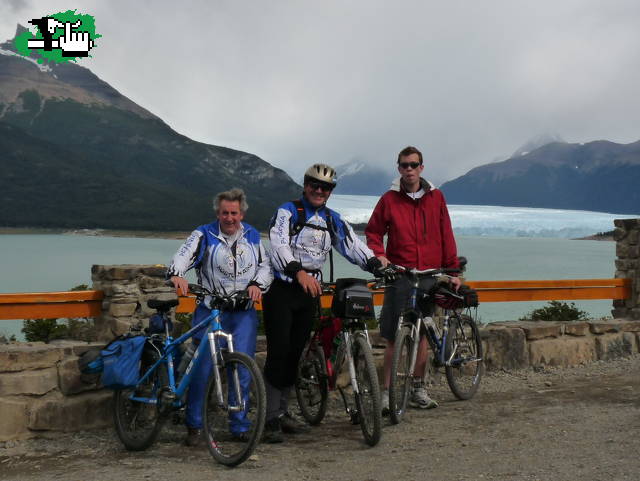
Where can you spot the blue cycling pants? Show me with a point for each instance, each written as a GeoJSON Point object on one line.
{"type": "Point", "coordinates": [244, 327]}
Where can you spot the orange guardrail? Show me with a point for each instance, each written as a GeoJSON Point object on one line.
{"type": "Point", "coordinates": [89, 303]}
{"type": "Point", "coordinates": [51, 304]}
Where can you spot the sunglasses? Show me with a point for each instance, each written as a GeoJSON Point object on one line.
{"type": "Point", "coordinates": [406, 165]}
{"type": "Point", "coordinates": [322, 187]}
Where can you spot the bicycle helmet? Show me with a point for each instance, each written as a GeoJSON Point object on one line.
{"type": "Point", "coordinates": [321, 173]}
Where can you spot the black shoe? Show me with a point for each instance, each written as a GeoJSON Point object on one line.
{"type": "Point", "coordinates": [272, 432]}
{"type": "Point", "coordinates": [194, 437]}
{"type": "Point", "coordinates": [241, 437]}
{"type": "Point", "coordinates": [291, 425]}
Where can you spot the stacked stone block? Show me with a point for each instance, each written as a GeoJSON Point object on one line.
{"type": "Point", "coordinates": [627, 237]}
{"type": "Point", "coordinates": [127, 288]}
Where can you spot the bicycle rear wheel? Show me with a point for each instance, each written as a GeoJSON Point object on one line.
{"type": "Point", "coordinates": [401, 375]}
{"type": "Point", "coordinates": [463, 356]}
{"type": "Point", "coordinates": [138, 423]}
{"type": "Point", "coordinates": [234, 427]}
{"type": "Point", "coordinates": [311, 384]}
{"type": "Point", "coordinates": [368, 396]}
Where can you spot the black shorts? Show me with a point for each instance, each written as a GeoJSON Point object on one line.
{"type": "Point", "coordinates": [396, 296]}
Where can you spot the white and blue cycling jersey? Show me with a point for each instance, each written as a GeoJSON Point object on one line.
{"type": "Point", "coordinates": [223, 267]}
{"type": "Point", "coordinates": [308, 248]}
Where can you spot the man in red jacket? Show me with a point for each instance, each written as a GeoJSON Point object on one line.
{"type": "Point", "coordinates": [414, 216]}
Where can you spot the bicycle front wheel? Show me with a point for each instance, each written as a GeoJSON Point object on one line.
{"type": "Point", "coordinates": [233, 425]}
{"type": "Point", "coordinates": [138, 423]}
{"type": "Point", "coordinates": [401, 375]}
{"type": "Point", "coordinates": [463, 356]}
{"type": "Point", "coordinates": [311, 384]}
{"type": "Point", "coordinates": [367, 396]}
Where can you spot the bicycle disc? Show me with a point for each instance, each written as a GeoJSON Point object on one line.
{"type": "Point", "coordinates": [311, 385]}
{"type": "Point", "coordinates": [463, 356]}
{"type": "Point", "coordinates": [401, 375]}
{"type": "Point", "coordinates": [368, 395]}
{"type": "Point", "coordinates": [137, 423]}
{"type": "Point", "coordinates": [231, 432]}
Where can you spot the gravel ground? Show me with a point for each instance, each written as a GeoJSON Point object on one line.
{"type": "Point", "coordinates": [552, 424]}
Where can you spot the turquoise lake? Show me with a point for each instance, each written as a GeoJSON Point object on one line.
{"type": "Point", "coordinates": [41, 263]}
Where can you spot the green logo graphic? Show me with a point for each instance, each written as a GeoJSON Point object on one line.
{"type": "Point", "coordinates": [60, 37]}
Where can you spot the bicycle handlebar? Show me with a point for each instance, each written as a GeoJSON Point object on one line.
{"type": "Point", "coordinates": [224, 302]}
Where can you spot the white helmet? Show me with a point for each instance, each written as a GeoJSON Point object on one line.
{"type": "Point", "coordinates": [321, 173]}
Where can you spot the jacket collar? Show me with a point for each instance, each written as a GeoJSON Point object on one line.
{"type": "Point", "coordinates": [425, 184]}
{"type": "Point", "coordinates": [214, 229]}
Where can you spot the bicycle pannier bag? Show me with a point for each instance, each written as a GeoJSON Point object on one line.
{"type": "Point", "coordinates": [121, 361]}
{"type": "Point", "coordinates": [352, 299]}
{"type": "Point", "coordinates": [90, 362]}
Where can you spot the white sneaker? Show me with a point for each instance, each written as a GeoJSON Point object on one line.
{"type": "Point", "coordinates": [420, 399]}
{"type": "Point", "coordinates": [384, 402]}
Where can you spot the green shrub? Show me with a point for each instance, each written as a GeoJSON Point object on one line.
{"type": "Point", "coordinates": [44, 330]}
{"type": "Point", "coordinates": [557, 311]}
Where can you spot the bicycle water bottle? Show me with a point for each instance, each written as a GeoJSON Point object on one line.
{"type": "Point", "coordinates": [186, 358]}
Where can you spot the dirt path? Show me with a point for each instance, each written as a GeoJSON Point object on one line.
{"type": "Point", "coordinates": [580, 423]}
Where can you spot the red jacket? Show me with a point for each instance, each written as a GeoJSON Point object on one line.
{"type": "Point", "coordinates": [419, 231]}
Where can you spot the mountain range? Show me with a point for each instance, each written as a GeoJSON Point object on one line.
{"type": "Point", "coordinates": [75, 152]}
{"type": "Point", "coordinates": [359, 178]}
{"type": "Point", "coordinates": [599, 176]}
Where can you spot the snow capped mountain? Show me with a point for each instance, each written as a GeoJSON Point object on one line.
{"type": "Point", "coordinates": [537, 142]}
{"type": "Point", "coordinates": [360, 178]}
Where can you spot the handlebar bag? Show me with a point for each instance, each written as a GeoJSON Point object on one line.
{"type": "Point", "coordinates": [352, 299]}
{"type": "Point", "coordinates": [121, 362]}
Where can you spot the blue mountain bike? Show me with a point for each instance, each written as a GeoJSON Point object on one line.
{"type": "Point", "coordinates": [235, 388]}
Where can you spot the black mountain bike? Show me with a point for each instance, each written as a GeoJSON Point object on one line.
{"type": "Point", "coordinates": [455, 343]}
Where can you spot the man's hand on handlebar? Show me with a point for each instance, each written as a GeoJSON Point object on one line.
{"type": "Point", "coordinates": [309, 284]}
{"type": "Point", "coordinates": [389, 273]}
{"type": "Point", "coordinates": [456, 282]}
{"type": "Point", "coordinates": [181, 285]}
{"type": "Point", "coordinates": [255, 294]}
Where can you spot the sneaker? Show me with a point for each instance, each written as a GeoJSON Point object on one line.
{"type": "Point", "coordinates": [291, 425]}
{"type": "Point", "coordinates": [272, 431]}
{"type": "Point", "coordinates": [194, 437]}
{"type": "Point", "coordinates": [384, 402]}
{"type": "Point", "coordinates": [420, 399]}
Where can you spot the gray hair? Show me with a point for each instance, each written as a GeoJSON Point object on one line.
{"type": "Point", "coordinates": [232, 195]}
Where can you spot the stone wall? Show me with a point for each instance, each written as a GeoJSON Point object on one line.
{"type": "Point", "coordinates": [627, 237]}
{"type": "Point", "coordinates": [41, 389]}
{"type": "Point", "coordinates": [521, 345]}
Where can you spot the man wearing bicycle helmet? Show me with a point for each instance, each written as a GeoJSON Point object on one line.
{"type": "Point", "coordinates": [414, 216]}
{"type": "Point", "coordinates": [302, 234]}
{"type": "Point", "coordinates": [228, 257]}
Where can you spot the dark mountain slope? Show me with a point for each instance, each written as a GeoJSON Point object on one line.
{"type": "Point", "coordinates": [103, 161]}
{"type": "Point", "coordinates": [600, 176]}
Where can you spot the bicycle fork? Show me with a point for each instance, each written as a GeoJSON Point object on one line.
{"type": "Point", "coordinates": [234, 372]}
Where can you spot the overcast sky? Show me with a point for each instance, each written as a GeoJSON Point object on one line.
{"type": "Point", "coordinates": [297, 82]}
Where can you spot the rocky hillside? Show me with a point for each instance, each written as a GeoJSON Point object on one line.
{"type": "Point", "coordinates": [598, 176]}
{"type": "Point", "coordinates": [76, 153]}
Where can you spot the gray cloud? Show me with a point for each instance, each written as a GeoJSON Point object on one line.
{"type": "Point", "coordinates": [296, 82]}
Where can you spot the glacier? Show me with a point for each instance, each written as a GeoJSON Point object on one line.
{"type": "Point", "coordinates": [496, 221]}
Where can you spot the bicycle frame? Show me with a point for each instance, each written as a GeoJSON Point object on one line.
{"type": "Point", "coordinates": [424, 324]}
{"type": "Point", "coordinates": [213, 330]}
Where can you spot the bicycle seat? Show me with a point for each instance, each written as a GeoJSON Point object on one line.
{"type": "Point", "coordinates": [162, 305]}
